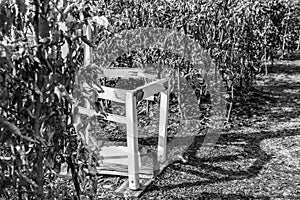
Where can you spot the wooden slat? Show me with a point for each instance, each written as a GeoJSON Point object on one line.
{"type": "Point", "coordinates": [128, 73]}
{"type": "Point", "coordinates": [115, 160]}
{"type": "Point", "coordinates": [163, 123]}
{"type": "Point", "coordinates": [112, 94]}
{"type": "Point", "coordinates": [123, 169]}
{"type": "Point", "coordinates": [111, 170]}
{"type": "Point", "coordinates": [151, 88]}
{"type": "Point", "coordinates": [108, 93]}
{"type": "Point", "coordinates": [132, 141]}
{"type": "Point", "coordinates": [110, 117]}
{"type": "Point", "coordinates": [116, 155]}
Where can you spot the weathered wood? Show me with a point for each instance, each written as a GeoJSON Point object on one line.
{"type": "Point", "coordinates": [132, 141]}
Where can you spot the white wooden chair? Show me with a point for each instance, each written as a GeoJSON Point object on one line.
{"type": "Point", "coordinates": [130, 98]}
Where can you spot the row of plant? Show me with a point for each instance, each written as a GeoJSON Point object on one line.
{"type": "Point", "coordinates": [41, 51]}
{"type": "Point", "coordinates": [241, 36]}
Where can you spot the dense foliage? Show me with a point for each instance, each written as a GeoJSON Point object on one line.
{"type": "Point", "coordinates": [41, 51]}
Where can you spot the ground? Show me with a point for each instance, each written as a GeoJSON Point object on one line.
{"type": "Point", "coordinates": [256, 157]}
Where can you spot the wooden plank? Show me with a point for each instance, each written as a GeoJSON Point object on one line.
{"type": "Point", "coordinates": [123, 169]}
{"type": "Point", "coordinates": [108, 93]}
{"type": "Point", "coordinates": [163, 124]}
{"type": "Point", "coordinates": [112, 94]}
{"type": "Point", "coordinates": [148, 75]}
{"type": "Point", "coordinates": [119, 168]}
{"type": "Point", "coordinates": [132, 141]}
{"type": "Point", "coordinates": [152, 88]}
{"type": "Point", "coordinates": [109, 117]}
{"type": "Point", "coordinates": [115, 159]}
{"type": "Point", "coordinates": [128, 73]}
{"type": "Point", "coordinates": [122, 72]}
{"type": "Point", "coordinates": [116, 155]}
{"type": "Point", "coordinates": [117, 172]}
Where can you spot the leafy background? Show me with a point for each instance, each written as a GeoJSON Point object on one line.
{"type": "Point", "coordinates": [42, 51]}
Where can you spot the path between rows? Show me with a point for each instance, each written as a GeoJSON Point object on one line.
{"type": "Point", "coordinates": [257, 156]}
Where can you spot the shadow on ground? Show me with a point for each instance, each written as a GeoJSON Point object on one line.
{"type": "Point", "coordinates": [285, 66]}
{"type": "Point", "coordinates": [257, 118]}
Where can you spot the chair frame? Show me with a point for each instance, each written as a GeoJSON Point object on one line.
{"type": "Point", "coordinates": [130, 98]}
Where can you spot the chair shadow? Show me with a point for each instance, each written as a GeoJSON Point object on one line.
{"type": "Point", "coordinates": [249, 141]}
{"type": "Point", "coordinates": [252, 150]}
{"type": "Point", "coordinates": [257, 103]}
{"type": "Point", "coordinates": [208, 196]}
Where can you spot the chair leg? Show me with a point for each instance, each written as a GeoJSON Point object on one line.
{"type": "Point", "coordinates": [163, 123]}
{"type": "Point", "coordinates": [132, 142]}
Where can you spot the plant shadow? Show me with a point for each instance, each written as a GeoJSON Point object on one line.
{"type": "Point", "coordinates": [259, 103]}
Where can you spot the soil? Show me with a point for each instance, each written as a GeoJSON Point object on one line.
{"type": "Point", "coordinates": [256, 157]}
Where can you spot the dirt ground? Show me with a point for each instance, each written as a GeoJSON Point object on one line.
{"type": "Point", "coordinates": [257, 156]}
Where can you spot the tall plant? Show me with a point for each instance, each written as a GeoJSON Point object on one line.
{"type": "Point", "coordinates": [41, 51]}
